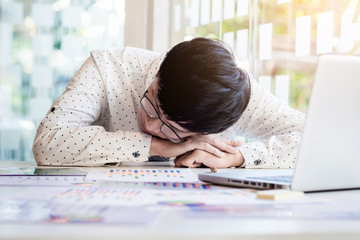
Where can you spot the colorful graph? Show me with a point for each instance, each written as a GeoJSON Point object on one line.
{"type": "Point", "coordinates": [48, 211]}
{"type": "Point", "coordinates": [181, 203]}
{"type": "Point", "coordinates": [143, 175]}
{"type": "Point", "coordinates": [95, 194]}
{"type": "Point", "coordinates": [157, 185]}
{"type": "Point", "coordinates": [33, 180]}
{"type": "Point", "coordinates": [136, 174]}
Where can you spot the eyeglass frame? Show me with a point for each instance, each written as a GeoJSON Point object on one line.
{"type": "Point", "coordinates": [158, 117]}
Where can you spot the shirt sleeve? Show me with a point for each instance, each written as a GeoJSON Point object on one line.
{"type": "Point", "coordinates": [274, 129]}
{"type": "Point", "coordinates": [69, 135]}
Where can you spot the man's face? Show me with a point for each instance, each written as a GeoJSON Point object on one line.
{"type": "Point", "coordinates": [152, 126]}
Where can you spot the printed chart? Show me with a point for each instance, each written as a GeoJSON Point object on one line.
{"type": "Point", "coordinates": [155, 185]}
{"type": "Point", "coordinates": [41, 211]}
{"type": "Point", "coordinates": [143, 175]}
{"type": "Point", "coordinates": [100, 196]}
{"type": "Point", "coordinates": [34, 180]}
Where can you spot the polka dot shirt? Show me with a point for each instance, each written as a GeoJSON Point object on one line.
{"type": "Point", "coordinates": [94, 122]}
{"type": "Point", "coordinates": [274, 130]}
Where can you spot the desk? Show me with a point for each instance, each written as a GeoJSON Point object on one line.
{"type": "Point", "coordinates": [172, 225]}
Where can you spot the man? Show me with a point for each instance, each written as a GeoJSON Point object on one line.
{"type": "Point", "coordinates": [129, 104]}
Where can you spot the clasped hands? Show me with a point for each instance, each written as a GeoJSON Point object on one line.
{"type": "Point", "coordinates": [200, 150]}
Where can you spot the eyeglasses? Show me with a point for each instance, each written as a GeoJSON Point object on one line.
{"type": "Point", "coordinates": [151, 111]}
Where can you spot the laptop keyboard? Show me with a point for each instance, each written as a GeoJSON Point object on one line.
{"type": "Point", "coordinates": [283, 179]}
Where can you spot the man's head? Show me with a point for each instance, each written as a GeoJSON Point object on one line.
{"type": "Point", "coordinates": [201, 88]}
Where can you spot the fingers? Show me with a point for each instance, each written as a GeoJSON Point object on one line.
{"type": "Point", "coordinates": [195, 165]}
{"type": "Point", "coordinates": [188, 160]}
{"type": "Point", "coordinates": [178, 159]}
{"type": "Point", "coordinates": [216, 146]}
{"type": "Point", "coordinates": [207, 143]}
{"type": "Point", "coordinates": [198, 157]}
{"type": "Point", "coordinates": [191, 161]}
{"type": "Point", "coordinates": [211, 149]}
{"type": "Point", "coordinates": [177, 163]}
{"type": "Point", "coordinates": [234, 143]}
{"type": "Point", "coordinates": [225, 146]}
{"type": "Point", "coordinates": [213, 163]}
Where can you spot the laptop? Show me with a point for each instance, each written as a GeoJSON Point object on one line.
{"type": "Point", "coordinates": [329, 153]}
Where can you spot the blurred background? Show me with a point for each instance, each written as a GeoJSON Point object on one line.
{"type": "Point", "coordinates": [43, 43]}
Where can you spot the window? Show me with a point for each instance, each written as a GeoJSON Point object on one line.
{"type": "Point", "coordinates": [44, 42]}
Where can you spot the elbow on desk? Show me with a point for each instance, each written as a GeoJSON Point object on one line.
{"type": "Point", "coordinates": [39, 155]}
{"type": "Point", "coordinates": [42, 152]}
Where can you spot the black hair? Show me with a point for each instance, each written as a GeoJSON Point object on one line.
{"type": "Point", "coordinates": [201, 88]}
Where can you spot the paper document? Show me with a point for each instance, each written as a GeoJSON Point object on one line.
{"type": "Point", "coordinates": [143, 175]}
{"type": "Point", "coordinates": [154, 185]}
{"type": "Point", "coordinates": [40, 211]}
{"type": "Point", "coordinates": [101, 196]}
{"type": "Point", "coordinates": [33, 180]}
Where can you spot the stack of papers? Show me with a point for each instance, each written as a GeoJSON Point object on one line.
{"type": "Point", "coordinates": [120, 196]}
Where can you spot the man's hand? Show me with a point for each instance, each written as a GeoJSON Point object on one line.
{"type": "Point", "coordinates": [206, 143]}
{"type": "Point", "coordinates": [197, 157]}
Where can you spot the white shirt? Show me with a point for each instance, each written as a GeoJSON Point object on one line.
{"type": "Point", "coordinates": [94, 122]}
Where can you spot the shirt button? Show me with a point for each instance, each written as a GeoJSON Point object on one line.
{"type": "Point", "coordinates": [257, 162]}
{"type": "Point", "coordinates": [136, 154]}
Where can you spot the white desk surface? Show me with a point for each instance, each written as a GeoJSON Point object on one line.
{"type": "Point", "coordinates": [171, 225]}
